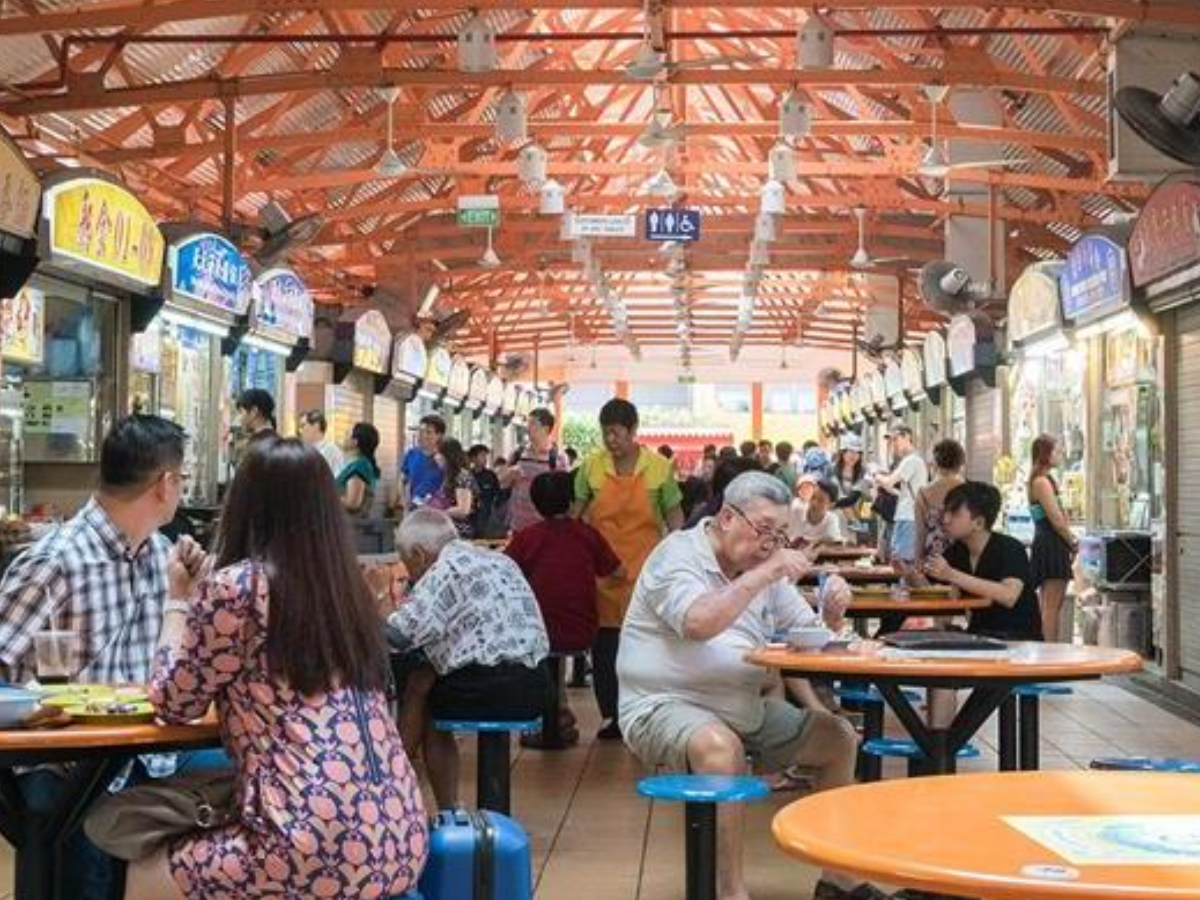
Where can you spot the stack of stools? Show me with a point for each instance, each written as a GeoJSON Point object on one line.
{"type": "Point", "coordinates": [701, 795]}
{"type": "Point", "coordinates": [1147, 764]}
{"type": "Point", "coordinates": [866, 699]}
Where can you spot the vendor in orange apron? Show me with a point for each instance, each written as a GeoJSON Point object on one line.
{"type": "Point", "coordinates": [629, 494]}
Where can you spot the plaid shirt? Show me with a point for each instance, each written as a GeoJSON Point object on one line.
{"type": "Point", "coordinates": [84, 577]}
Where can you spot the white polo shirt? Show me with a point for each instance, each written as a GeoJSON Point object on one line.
{"type": "Point", "coordinates": [658, 665]}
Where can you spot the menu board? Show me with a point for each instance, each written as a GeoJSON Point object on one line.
{"type": "Point", "coordinates": [1096, 280]}
{"type": "Point", "coordinates": [934, 354]}
{"type": "Point", "coordinates": [208, 269]}
{"type": "Point", "coordinates": [495, 394]}
{"type": "Point", "coordinates": [1033, 303]}
{"type": "Point", "coordinates": [146, 352]}
{"type": "Point", "coordinates": [437, 375]}
{"type": "Point", "coordinates": [372, 342]}
{"type": "Point", "coordinates": [101, 228]}
{"type": "Point", "coordinates": [410, 359]}
{"type": "Point", "coordinates": [877, 389]}
{"type": "Point", "coordinates": [23, 327]}
{"type": "Point", "coordinates": [511, 395]}
{"type": "Point", "coordinates": [1166, 237]}
{"type": "Point", "coordinates": [961, 338]}
{"type": "Point", "coordinates": [283, 303]}
{"type": "Point", "coordinates": [20, 191]}
{"type": "Point", "coordinates": [57, 407]}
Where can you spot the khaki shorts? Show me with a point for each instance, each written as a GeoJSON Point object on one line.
{"type": "Point", "coordinates": [661, 737]}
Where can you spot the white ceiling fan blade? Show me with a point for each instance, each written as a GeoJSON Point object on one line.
{"type": "Point", "coordinates": [986, 164]}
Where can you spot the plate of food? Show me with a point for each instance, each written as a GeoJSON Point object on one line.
{"type": "Point", "coordinates": [68, 695]}
{"type": "Point", "coordinates": [111, 711]}
{"type": "Point", "coordinates": [871, 591]}
{"type": "Point", "coordinates": [931, 592]}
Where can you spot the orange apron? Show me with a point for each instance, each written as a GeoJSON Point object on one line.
{"type": "Point", "coordinates": [622, 513]}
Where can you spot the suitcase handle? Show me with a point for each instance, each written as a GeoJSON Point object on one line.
{"type": "Point", "coordinates": [485, 863]}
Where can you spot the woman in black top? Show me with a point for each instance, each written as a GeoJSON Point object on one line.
{"type": "Point", "coordinates": [983, 563]}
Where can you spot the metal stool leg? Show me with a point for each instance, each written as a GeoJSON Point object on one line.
{"type": "Point", "coordinates": [870, 768]}
{"type": "Point", "coordinates": [700, 822]}
{"type": "Point", "coordinates": [492, 772]}
{"type": "Point", "coordinates": [1031, 733]}
{"type": "Point", "coordinates": [1008, 735]}
{"type": "Point", "coordinates": [552, 737]}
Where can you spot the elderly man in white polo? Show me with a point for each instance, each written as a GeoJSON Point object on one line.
{"type": "Point", "coordinates": [690, 701]}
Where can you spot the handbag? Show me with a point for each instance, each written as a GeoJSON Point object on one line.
{"type": "Point", "coordinates": [135, 823]}
{"type": "Point", "coordinates": [884, 505]}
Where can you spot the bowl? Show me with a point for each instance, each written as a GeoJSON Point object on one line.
{"type": "Point", "coordinates": [16, 705]}
{"type": "Point", "coordinates": [812, 638]}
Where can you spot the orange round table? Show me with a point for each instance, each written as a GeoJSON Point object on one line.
{"type": "Point", "coordinates": [847, 553]}
{"type": "Point", "coordinates": [97, 754]}
{"type": "Point", "coordinates": [851, 573]}
{"type": "Point", "coordinates": [990, 681]}
{"type": "Point", "coordinates": [871, 607]}
{"type": "Point", "coordinates": [889, 832]}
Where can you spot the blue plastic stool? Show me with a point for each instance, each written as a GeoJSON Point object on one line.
{"type": "Point", "coordinates": [700, 795]}
{"type": "Point", "coordinates": [492, 775]}
{"type": "Point", "coordinates": [1020, 730]}
{"type": "Point", "coordinates": [903, 748]}
{"type": "Point", "coordinates": [866, 699]}
{"type": "Point", "coordinates": [1147, 764]}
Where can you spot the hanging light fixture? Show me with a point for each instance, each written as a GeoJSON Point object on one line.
{"type": "Point", "coordinates": [759, 254]}
{"type": "Point", "coordinates": [660, 184]}
{"type": "Point", "coordinates": [814, 44]}
{"type": "Point", "coordinates": [552, 199]}
{"type": "Point", "coordinates": [511, 126]}
{"type": "Point", "coordinates": [490, 259]}
{"type": "Point", "coordinates": [531, 165]}
{"type": "Point", "coordinates": [774, 198]}
{"type": "Point", "coordinates": [764, 228]}
{"type": "Point", "coordinates": [477, 46]}
{"type": "Point", "coordinates": [581, 251]}
{"type": "Point", "coordinates": [781, 162]}
{"type": "Point", "coordinates": [795, 116]}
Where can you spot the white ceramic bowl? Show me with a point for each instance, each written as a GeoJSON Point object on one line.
{"type": "Point", "coordinates": [16, 705]}
{"type": "Point", "coordinates": [812, 638]}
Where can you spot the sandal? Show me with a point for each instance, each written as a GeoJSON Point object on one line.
{"type": "Point", "coordinates": [793, 779]}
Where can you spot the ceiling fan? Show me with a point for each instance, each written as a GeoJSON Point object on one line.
{"type": "Point", "coordinates": [1169, 122]}
{"type": "Point", "coordinates": [390, 165]}
{"type": "Point", "coordinates": [649, 62]}
{"type": "Point", "coordinates": [935, 164]}
{"type": "Point", "coordinates": [862, 258]}
{"type": "Point", "coordinates": [661, 130]}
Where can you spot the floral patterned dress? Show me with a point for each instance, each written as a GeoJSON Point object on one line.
{"type": "Point", "coordinates": [328, 802]}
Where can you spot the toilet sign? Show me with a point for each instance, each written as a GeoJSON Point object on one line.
{"type": "Point", "coordinates": [672, 224]}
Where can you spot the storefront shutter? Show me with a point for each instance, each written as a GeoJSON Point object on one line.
{"type": "Point", "coordinates": [1187, 363]}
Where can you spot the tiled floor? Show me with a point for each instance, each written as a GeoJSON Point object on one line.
{"type": "Point", "coordinates": [594, 839]}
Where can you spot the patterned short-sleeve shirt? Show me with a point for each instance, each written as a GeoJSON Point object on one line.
{"type": "Point", "coordinates": [473, 607]}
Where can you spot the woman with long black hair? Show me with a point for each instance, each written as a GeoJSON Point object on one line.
{"type": "Point", "coordinates": [459, 495]}
{"type": "Point", "coordinates": [359, 477]}
{"type": "Point", "coordinates": [1054, 544]}
{"type": "Point", "coordinates": [286, 640]}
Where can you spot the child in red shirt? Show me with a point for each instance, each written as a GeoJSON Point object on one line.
{"type": "Point", "coordinates": [561, 559]}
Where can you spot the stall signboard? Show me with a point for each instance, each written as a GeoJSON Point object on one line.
{"type": "Point", "coordinates": [23, 327]}
{"type": "Point", "coordinates": [934, 353]}
{"type": "Point", "coordinates": [410, 359]}
{"type": "Point", "coordinates": [912, 375]}
{"type": "Point", "coordinates": [478, 387]}
{"type": "Point", "coordinates": [961, 340]}
{"type": "Point", "coordinates": [283, 304]}
{"type": "Point", "coordinates": [372, 342]}
{"type": "Point", "coordinates": [508, 405]}
{"type": "Point", "coordinates": [98, 227]}
{"type": "Point", "coordinates": [526, 400]}
{"type": "Point", "coordinates": [437, 375]}
{"type": "Point", "coordinates": [1096, 280]}
{"type": "Point", "coordinates": [893, 381]}
{"type": "Point", "coordinates": [1166, 237]}
{"type": "Point", "coordinates": [20, 191]}
{"type": "Point", "coordinates": [860, 397]}
{"type": "Point", "coordinates": [495, 394]}
{"type": "Point", "coordinates": [1034, 310]}
{"type": "Point", "coordinates": [877, 390]}
{"type": "Point", "coordinates": [850, 412]}
{"type": "Point", "coordinates": [209, 270]}
{"type": "Point", "coordinates": [460, 379]}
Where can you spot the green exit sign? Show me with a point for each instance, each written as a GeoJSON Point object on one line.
{"type": "Point", "coordinates": [479, 218]}
{"type": "Point", "coordinates": [689, 378]}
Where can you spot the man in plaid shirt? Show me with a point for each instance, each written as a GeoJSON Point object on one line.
{"type": "Point", "coordinates": [106, 574]}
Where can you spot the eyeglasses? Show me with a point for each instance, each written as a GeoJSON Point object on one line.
{"type": "Point", "coordinates": [769, 538]}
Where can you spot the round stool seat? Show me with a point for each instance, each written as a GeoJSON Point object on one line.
{"type": "Point", "coordinates": [1147, 764]}
{"type": "Point", "coordinates": [902, 748]}
{"type": "Point", "coordinates": [862, 693]}
{"type": "Point", "coordinates": [1043, 690]}
{"type": "Point", "coordinates": [703, 788]}
{"type": "Point", "coordinates": [468, 726]}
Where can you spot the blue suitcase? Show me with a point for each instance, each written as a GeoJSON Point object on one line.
{"type": "Point", "coordinates": [477, 855]}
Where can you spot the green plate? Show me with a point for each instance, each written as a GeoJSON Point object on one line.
{"type": "Point", "coordinates": [89, 714]}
